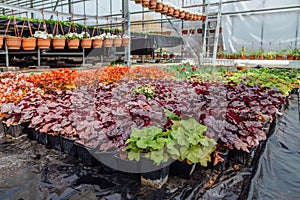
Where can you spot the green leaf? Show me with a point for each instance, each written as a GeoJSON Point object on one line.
{"type": "Point", "coordinates": [134, 155]}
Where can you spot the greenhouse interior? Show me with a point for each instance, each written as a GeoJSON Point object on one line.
{"type": "Point", "coordinates": [149, 99]}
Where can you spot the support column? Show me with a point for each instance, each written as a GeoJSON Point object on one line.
{"type": "Point", "coordinates": [127, 30]}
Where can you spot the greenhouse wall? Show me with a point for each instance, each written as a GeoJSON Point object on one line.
{"type": "Point", "coordinates": [267, 24]}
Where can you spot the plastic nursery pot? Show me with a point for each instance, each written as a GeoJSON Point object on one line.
{"type": "Point", "coordinates": [34, 135]}
{"type": "Point", "coordinates": [68, 146]}
{"type": "Point", "coordinates": [159, 7]}
{"type": "Point", "coordinates": [251, 57]}
{"type": "Point", "coordinates": [242, 157]}
{"type": "Point", "coordinates": [13, 43]}
{"type": "Point", "coordinates": [58, 43]}
{"type": "Point", "coordinates": [1, 40]}
{"type": "Point", "coordinates": [97, 43]}
{"type": "Point", "coordinates": [108, 42]}
{"type": "Point", "coordinates": [220, 56]}
{"type": "Point", "coordinates": [28, 43]}
{"type": "Point", "coordinates": [55, 142]}
{"type": "Point", "coordinates": [106, 158]}
{"type": "Point", "coordinates": [157, 178]}
{"type": "Point", "coordinates": [125, 42]}
{"type": "Point", "coordinates": [125, 165]}
{"type": "Point", "coordinates": [145, 3]}
{"type": "Point", "coordinates": [152, 5]}
{"type": "Point", "coordinates": [184, 32]}
{"type": "Point", "coordinates": [43, 138]}
{"type": "Point", "coordinates": [86, 43]}
{"type": "Point", "coordinates": [199, 30]}
{"type": "Point", "coordinates": [243, 57]}
{"type": "Point", "coordinates": [182, 15]}
{"type": "Point", "coordinates": [278, 57]}
{"type": "Point", "coordinates": [192, 31]}
{"type": "Point", "coordinates": [73, 43]}
{"type": "Point", "coordinates": [43, 43]}
{"type": "Point", "coordinates": [165, 55]}
{"type": "Point", "coordinates": [2, 129]}
{"type": "Point", "coordinates": [165, 9]}
{"type": "Point", "coordinates": [84, 154]}
{"type": "Point", "coordinates": [290, 57]}
{"type": "Point", "coordinates": [182, 169]}
{"type": "Point", "coordinates": [260, 57]}
{"type": "Point", "coordinates": [138, 1]}
{"type": "Point", "coordinates": [117, 42]}
{"type": "Point", "coordinates": [13, 130]}
{"type": "Point", "coordinates": [222, 165]}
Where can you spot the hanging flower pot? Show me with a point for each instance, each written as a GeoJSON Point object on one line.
{"type": "Point", "coordinates": [13, 43]}
{"type": "Point", "coordinates": [203, 17]}
{"type": "Point", "coordinates": [108, 42]}
{"type": "Point", "coordinates": [58, 42]}
{"type": "Point", "coordinates": [145, 3]}
{"type": "Point", "coordinates": [159, 7]}
{"type": "Point", "coordinates": [185, 31]}
{"type": "Point", "coordinates": [187, 16]}
{"type": "Point", "coordinates": [199, 30]}
{"type": "Point", "coordinates": [152, 5]}
{"type": "Point", "coordinates": [212, 30]}
{"type": "Point", "coordinates": [86, 43]}
{"type": "Point", "coordinates": [170, 11]}
{"type": "Point", "coordinates": [44, 43]}
{"type": "Point", "coordinates": [176, 13]}
{"type": "Point", "coordinates": [165, 9]}
{"type": "Point", "coordinates": [125, 41]}
{"type": "Point", "coordinates": [290, 57]}
{"type": "Point", "coordinates": [138, 1]}
{"type": "Point", "coordinates": [73, 43]}
{"type": "Point", "coordinates": [28, 43]}
{"type": "Point", "coordinates": [97, 43]}
{"type": "Point", "coordinates": [1, 40]}
{"type": "Point", "coordinates": [192, 31]}
{"type": "Point", "coordinates": [182, 14]}
{"type": "Point", "coordinates": [117, 42]}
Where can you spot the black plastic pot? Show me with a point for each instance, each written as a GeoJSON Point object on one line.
{"type": "Point", "coordinates": [34, 135]}
{"type": "Point", "coordinates": [13, 130]}
{"type": "Point", "coordinates": [242, 157]}
{"type": "Point", "coordinates": [2, 128]}
{"type": "Point", "coordinates": [68, 146]}
{"type": "Point", "coordinates": [55, 142]}
{"type": "Point", "coordinates": [84, 154]}
{"type": "Point", "coordinates": [222, 165]}
{"type": "Point", "coordinates": [106, 158]}
{"type": "Point", "coordinates": [42, 138]}
{"type": "Point", "coordinates": [126, 165]}
{"type": "Point", "coordinates": [182, 169]}
{"type": "Point", "coordinates": [156, 178]}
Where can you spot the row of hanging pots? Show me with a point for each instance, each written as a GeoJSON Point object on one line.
{"type": "Point", "coordinates": [170, 10]}
{"type": "Point", "coordinates": [199, 31]}
{"type": "Point", "coordinates": [15, 43]}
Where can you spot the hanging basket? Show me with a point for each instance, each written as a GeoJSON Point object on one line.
{"type": "Point", "coordinates": [145, 3]}
{"type": "Point", "coordinates": [44, 43]}
{"type": "Point", "coordinates": [1, 40]}
{"type": "Point", "coordinates": [182, 15]}
{"type": "Point", "coordinates": [125, 42]}
{"type": "Point", "coordinates": [73, 43]}
{"type": "Point", "coordinates": [108, 42]}
{"type": "Point", "coordinates": [13, 43]}
{"type": "Point", "coordinates": [97, 43]}
{"type": "Point", "coordinates": [159, 7]}
{"type": "Point", "coordinates": [138, 1]}
{"type": "Point", "coordinates": [170, 11]}
{"type": "Point", "coordinates": [117, 42]}
{"type": "Point", "coordinates": [152, 5]}
{"type": "Point", "coordinates": [28, 43]}
{"type": "Point", "coordinates": [165, 9]}
{"type": "Point", "coordinates": [59, 43]}
{"type": "Point", "coordinates": [86, 43]}
{"type": "Point", "coordinates": [176, 13]}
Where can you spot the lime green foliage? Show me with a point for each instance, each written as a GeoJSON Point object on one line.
{"type": "Point", "coordinates": [270, 54]}
{"type": "Point", "coordinates": [151, 141]}
{"type": "Point", "coordinates": [283, 79]}
{"type": "Point", "coordinates": [187, 142]}
{"type": "Point", "coordinates": [259, 52]}
{"type": "Point", "coordinates": [147, 90]}
{"type": "Point", "coordinates": [171, 115]}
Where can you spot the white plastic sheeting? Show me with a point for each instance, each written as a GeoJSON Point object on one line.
{"type": "Point", "coordinates": [269, 29]}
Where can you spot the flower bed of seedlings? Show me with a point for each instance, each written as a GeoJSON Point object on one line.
{"type": "Point", "coordinates": [132, 116]}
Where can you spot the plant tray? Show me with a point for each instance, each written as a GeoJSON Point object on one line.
{"type": "Point", "coordinates": [68, 146]}
{"type": "Point", "coordinates": [55, 142]}
{"type": "Point", "coordinates": [84, 154]}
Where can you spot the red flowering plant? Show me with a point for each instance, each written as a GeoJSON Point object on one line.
{"type": "Point", "coordinates": [62, 79]}
{"type": "Point", "coordinates": [111, 74]}
{"type": "Point", "coordinates": [152, 72]}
